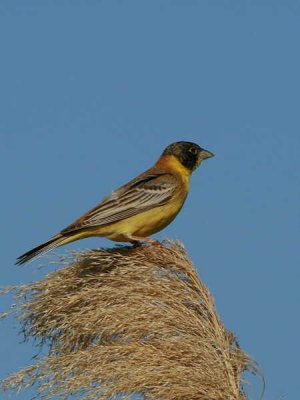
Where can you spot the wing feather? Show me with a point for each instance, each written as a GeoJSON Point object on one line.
{"type": "Point", "coordinates": [141, 194]}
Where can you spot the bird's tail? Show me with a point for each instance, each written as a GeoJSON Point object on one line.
{"type": "Point", "coordinates": [55, 241]}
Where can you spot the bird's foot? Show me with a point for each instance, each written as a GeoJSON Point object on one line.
{"type": "Point", "coordinates": [137, 240]}
{"type": "Point", "coordinates": [136, 243]}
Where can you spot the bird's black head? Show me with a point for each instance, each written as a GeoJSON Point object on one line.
{"type": "Point", "coordinates": [189, 154]}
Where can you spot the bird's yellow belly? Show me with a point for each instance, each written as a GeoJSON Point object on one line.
{"type": "Point", "coordinates": [143, 224]}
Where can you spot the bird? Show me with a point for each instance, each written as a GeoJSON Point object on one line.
{"type": "Point", "coordinates": [140, 208]}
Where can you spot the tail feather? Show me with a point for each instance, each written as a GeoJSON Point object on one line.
{"type": "Point", "coordinates": [43, 248]}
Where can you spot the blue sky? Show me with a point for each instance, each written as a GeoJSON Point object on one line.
{"type": "Point", "coordinates": [92, 92]}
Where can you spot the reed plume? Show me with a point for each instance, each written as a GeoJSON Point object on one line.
{"type": "Point", "coordinates": [124, 321]}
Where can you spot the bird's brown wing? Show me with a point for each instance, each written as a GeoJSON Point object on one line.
{"type": "Point", "coordinates": [141, 194]}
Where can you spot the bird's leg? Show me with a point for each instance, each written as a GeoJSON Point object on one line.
{"type": "Point", "coordinates": [136, 243]}
{"type": "Point", "coordinates": [138, 239]}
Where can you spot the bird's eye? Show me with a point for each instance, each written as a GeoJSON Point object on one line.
{"type": "Point", "coordinates": [193, 150]}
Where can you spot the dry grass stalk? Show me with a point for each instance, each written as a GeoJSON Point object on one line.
{"type": "Point", "coordinates": [128, 320]}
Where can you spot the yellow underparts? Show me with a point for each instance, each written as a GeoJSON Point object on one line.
{"type": "Point", "coordinates": [143, 224]}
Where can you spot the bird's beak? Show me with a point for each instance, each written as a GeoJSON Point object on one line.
{"type": "Point", "coordinates": [204, 154]}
